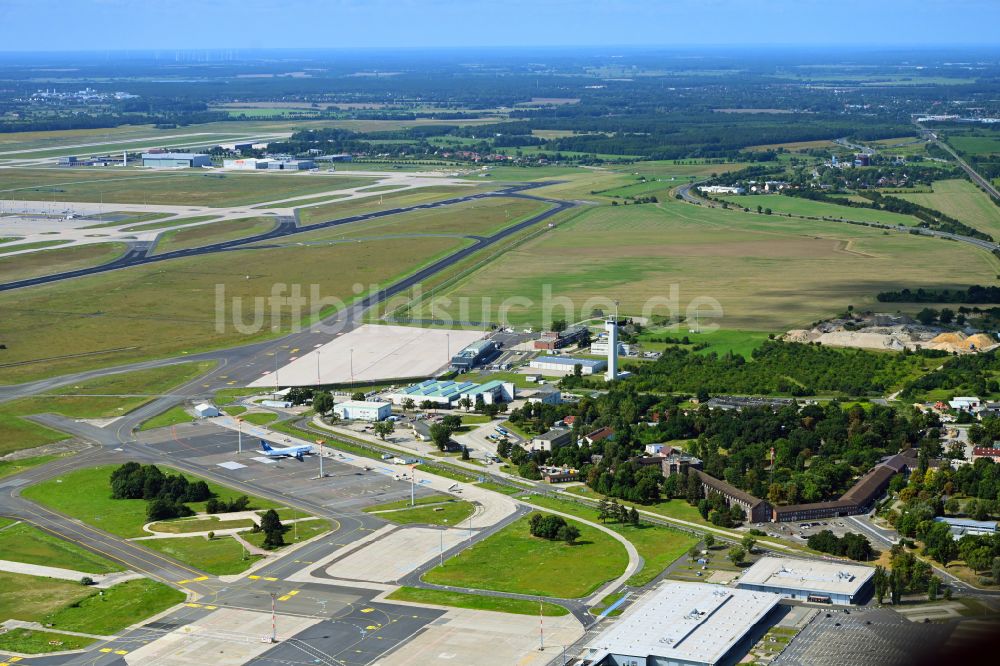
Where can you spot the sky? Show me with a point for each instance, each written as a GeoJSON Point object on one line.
{"type": "Point", "coordinates": [72, 25]}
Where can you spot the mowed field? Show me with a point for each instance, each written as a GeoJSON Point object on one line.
{"type": "Point", "coordinates": [963, 201]}
{"type": "Point", "coordinates": [215, 232]}
{"type": "Point", "coordinates": [181, 187]}
{"type": "Point", "coordinates": [480, 217]}
{"type": "Point", "coordinates": [46, 262]}
{"type": "Point", "coordinates": [377, 202]}
{"type": "Point", "coordinates": [808, 208]}
{"type": "Point", "coordinates": [167, 309]}
{"type": "Point", "coordinates": [768, 273]}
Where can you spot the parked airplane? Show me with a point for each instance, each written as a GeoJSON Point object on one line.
{"type": "Point", "coordinates": [296, 452]}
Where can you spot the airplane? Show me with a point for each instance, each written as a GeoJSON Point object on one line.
{"type": "Point", "coordinates": [296, 452]}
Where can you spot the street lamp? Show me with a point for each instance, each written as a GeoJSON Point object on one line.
{"type": "Point", "coordinates": [320, 443]}
{"type": "Point", "coordinates": [442, 541]}
{"type": "Point", "coordinates": [239, 437]}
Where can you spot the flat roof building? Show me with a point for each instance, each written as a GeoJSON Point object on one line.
{"type": "Point", "coordinates": [363, 410]}
{"type": "Point", "coordinates": [962, 526]}
{"type": "Point", "coordinates": [174, 160]}
{"type": "Point", "coordinates": [685, 624]}
{"type": "Point", "coordinates": [588, 366]}
{"type": "Point", "coordinates": [447, 393]}
{"type": "Point", "coordinates": [478, 353]}
{"type": "Point", "coordinates": [551, 440]}
{"type": "Point", "coordinates": [820, 580]}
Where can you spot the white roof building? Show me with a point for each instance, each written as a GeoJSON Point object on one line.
{"type": "Point", "coordinates": [206, 410]}
{"type": "Point", "coordinates": [836, 581]}
{"type": "Point", "coordinates": [694, 624]}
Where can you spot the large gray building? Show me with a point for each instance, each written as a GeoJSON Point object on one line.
{"type": "Point", "coordinates": [175, 160]}
{"type": "Point", "coordinates": [809, 580]}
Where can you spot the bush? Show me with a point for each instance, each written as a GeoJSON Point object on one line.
{"type": "Point", "coordinates": [553, 528]}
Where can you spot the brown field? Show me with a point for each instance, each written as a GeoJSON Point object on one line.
{"type": "Point", "coordinates": [793, 146]}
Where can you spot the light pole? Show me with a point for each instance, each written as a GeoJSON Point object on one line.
{"type": "Point", "coordinates": [239, 437]}
{"type": "Point", "coordinates": [442, 541]}
{"type": "Point", "coordinates": [320, 443]}
{"type": "Point", "coordinates": [317, 369]}
{"type": "Point", "coordinates": [274, 620]}
{"type": "Point", "coordinates": [447, 337]}
{"type": "Point", "coordinates": [352, 366]}
{"type": "Point", "coordinates": [412, 482]}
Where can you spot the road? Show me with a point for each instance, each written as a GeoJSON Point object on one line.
{"type": "Point", "coordinates": [984, 183]}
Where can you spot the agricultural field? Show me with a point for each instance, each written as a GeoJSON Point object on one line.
{"type": "Point", "coordinates": [962, 200]}
{"type": "Point", "coordinates": [975, 143]}
{"type": "Point", "coordinates": [508, 562]}
{"type": "Point", "coordinates": [194, 187]}
{"type": "Point", "coordinates": [768, 273]}
{"type": "Point", "coordinates": [47, 262]}
{"type": "Point", "coordinates": [808, 208]}
{"type": "Point", "coordinates": [165, 309]}
{"type": "Point", "coordinates": [214, 232]}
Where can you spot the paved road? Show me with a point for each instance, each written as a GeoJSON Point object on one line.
{"type": "Point", "coordinates": [972, 173]}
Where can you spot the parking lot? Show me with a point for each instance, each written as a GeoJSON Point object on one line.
{"type": "Point", "coordinates": [801, 531]}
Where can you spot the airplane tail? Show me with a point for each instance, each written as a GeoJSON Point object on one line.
{"type": "Point", "coordinates": [264, 445]}
{"type": "Point", "coordinates": [299, 457]}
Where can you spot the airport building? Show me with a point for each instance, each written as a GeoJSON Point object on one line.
{"type": "Point", "coordinates": [448, 393]}
{"type": "Point", "coordinates": [566, 364]}
{"type": "Point", "coordinates": [361, 410]}
{"type": "Point", "coordinates": [206, 410]}
{"type": "Point", "coordinates": [248, 164]}
{"type": "Point", "coordinates": [175, 160]}
{"type": "Point", "coordinates": [685, 624]}
{"type": "Point", "coordinates": [962, 526]}
{"type": "Point", "coordinates": [476, 354]}
{"type": "Point", "coordinates": [821, 581]}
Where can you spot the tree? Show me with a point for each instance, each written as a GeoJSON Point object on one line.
{"type": "Point", "coordinates": [408, 404]}
{"type": "Point", "coordinates": [273, 530]}
{"type": "Point", "coordinates": [86, 580]}
{"type": "Point", "coordinates": [465, 453]}
{"type": "Point", "coordinates": [383, 429]}
{"type": "Point", "coordinates": [568, 533]}
{"type": "Point", "coordinates": [933, 588]}
{"type": "Point", "coordinates": [748, 543]}
{"type": "Point", "coordinates": [709, 541]}
{"type": "Point", "coordinates": [736, 555]}
{"type": "Point", "coordinates": [979, 559]}
{"type": "Point", "coordinates": [633, 517]}
{"type": "Point", "coordinates": [694, 553]}
{"type": "Point", "coordinates": [995, 570]}
{"type": "Point", "coordinates": [210, 536]}
{"type": "Point", "coordinates": [603, 510]}
{"type": "Point", "coordinates": [358, 396]}
{"type": "Point", "coordinates": [465, 403]}
{"type": "Point", "coordinates": [322, 402]}
{"type": "Point", "coordinates": [559, 325]}
{"type": "Point", "coordinates": [441, 436]}
{"type": "Point", "coordinates": [881, 581]}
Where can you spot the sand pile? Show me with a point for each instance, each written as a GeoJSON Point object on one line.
{"type": "Point", "coordinates": [959, 342]}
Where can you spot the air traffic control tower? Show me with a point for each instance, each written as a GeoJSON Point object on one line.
{"type": "Point", "coordinates": [611, 326]}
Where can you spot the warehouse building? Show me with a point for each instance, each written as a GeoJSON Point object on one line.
{"type": "Point", "coordinates": [362, 410]}
{"type": "Point", "coordinates": [685, 624]}
{"type": "Point", "coordinates": [248, 164]}
{"type": "Point", "coordinates": [206, 410]}
{"type": "Point", "coordinates": [566, 364]}
{"type": "Point", "coordinates": [551, 440]}
{"type": "Point", "coordinates": [175, 160]}
{"type": "Point", "coordinates": [476, 354]}
{"type": "Point", "coordinates": [820, 581]}
{"type": "Point", "coordinates": [448, 393]}
{"type": "Point", "coordinates": [962, 526]}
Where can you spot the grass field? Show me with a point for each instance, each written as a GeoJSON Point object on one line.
{"type": "Point", "coordinates": [11, 467]}
{"type": "Point", "coordinates": [170, 309]}
{"type": "Point", "coordinates": [449, 513]}
{"type": "Point", "coordinates": [47, 262]}
{"type": "Point", "coordinates": [658, 546]}
{"type": "Point", "coordinates": [175, 222]}
{"type": "Point", "coordinates": [719, 342]}
{"type": "Point", "coordinates": [260, 418]}
{"type": "Point", "coordinates": [31, 598]}
{"type": "Point", "coordinates": [194, 187]}
{"type": "Point", "coordinates": [434, 498]}
{"type": "Point", "coordinates": [963, 201]}
{"type": "Point", "coordinates": [85, 494]}
{"type": "Point", "coordinates": [199, 524]}
{"type": "Point", "coordinates": [476, 602]}
{"type": "Point", "coordinates": [214, 232]}
{"type": "Point", "coordinates": [767, 273]}
{"type": "Point", "coordinates": [808, 208]}
{"type": "Point", "coordinates": [511, 561]}
{"type": "Point", "coordinates": [972, 144]}
{"type": "Point", "coordinates": [173, 416]}
{"type": "Point", "coordinates": [222, 556]}
{"type": "Point", "coordinates": [376, 202]}
{"type": "Point", "coordinates": [25, 543]}
{"type": "Point", "coordinates": [118, 607]}
{"type": "Point", "coordinates": [113, 395]}
{"type": "Point", "coordinates": [294, 532]}
{"type": "Point", "coordinates": [38, 245]}
{"type": "Point", "coordinates": [29, 641]}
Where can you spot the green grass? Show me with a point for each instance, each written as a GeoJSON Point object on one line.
{"type": "Point", "coordinates": [30, 641]}
{"type": "Point", "coordinates": [32, 246]}
{"type": "Point", "coordinates": [173, 416]}
{"type": "Point", "coordinates": [32, 598]}
{"type": "Point", "coordinates": [48, 262]}
{"type": "Point", "coordinates": [176, 222]}
{"type": "Point", "coordinates": [17, 434]}
{"type": "Point", "coordinates": [435, 498]}
{"type": "Point", "coordinates": [514, 561]}
{"type": "Point", "coordinates": [213, 232]}
{"type": "Point", "coordinates": [26, 543]}
{"type": "Point", "coordinates": [260, 418]}
{"type": "Point", "coordinates": [294, 532]}
{"type": "Point", "coordinates": [119, 607]}
{"type": "Point", "coordinates": [85, 494]}
{"type": "Point", "coordinates": [808, 208]}
{"type": "Point", "coordinates": [450, 513]}
{"type": "Point", "coordinates": [195, 187]}
{"type": "Point", "coordinates": [658, 546]}
{"type": "Point", "coordinates": [499, 488]}
{"type": "Point", "coordinates": [337, 209]}
{"type": "Point", "coordinates": [199, 524]}
{"type": "Point", "coordinates": [221, 556]}
{"type": "Point", "coordinates": [449, 472]}
{"type": "Point", "coordinates": [962, 200]}
{"type": "Point", "coordinates": [476, 602]}
{"type": "Point", "coordinates": [609, 600]}
{"type": "Point", "coordinates": [720, 341]}
{"type": "Point", "coordinates": [234, 410]}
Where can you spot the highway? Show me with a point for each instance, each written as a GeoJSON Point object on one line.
{"type": "Point", "coordinates": [972, 173]}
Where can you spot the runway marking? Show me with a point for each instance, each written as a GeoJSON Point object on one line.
{"type": "Point", "coordinates": [284, 598]}
{"type": "Point", "coordinates": [371, 610]}
{"type": "Point", "coordinates": [254, 577]}
{"type": "Point", "coordinates": [121, 651]}
{"type": "Point", "coordinates": [200, 578]}
{"type": "Point", "coordinates": [293, 593]}
{"type": "Point", "coordinates": [193, 605]}
{"type": "Point", "coordinates": [105, 650]}
{"type": "Point", "coordinates": [231, 465]}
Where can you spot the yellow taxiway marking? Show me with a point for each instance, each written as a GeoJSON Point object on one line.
{"type": "Point", "coordinates": [230, 383]}
{"type": "Point", "coordinates": [105, 649]}
{"type": "Point", "coordinates": [254, 577]}
{"type": "Point", "coordinates": [269, 578]}
{"type": "Point", "coordinates": [373, 627]}
{"type": "Point", "coordinates": [182, 582]}
{"type": "Point", "coordinates": [294, 350]}
{"type": "Point", "coordinates": [121, 651]}
{"type": "Point", "coordinates": [293, 593]}
{"type": "Point", "coordinates": [369, 610]}
{"type": "Point", "coordinates": [193, 605]}
{"type": "Point", "coordinates": [210, 607]}
{"type": "Point", "coordinates": [284, 598]}
{"type": "Point", "coordinates": [200, 578]}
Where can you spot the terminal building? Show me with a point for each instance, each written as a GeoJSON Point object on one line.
{"type": "Point", "coordinates": [820, 581]}
{"type": "Point", "coordinates": [685, 624]}
{"type": "Point", "coordinates": [362, 410]}
{"type": "Point", "coordinates": [588, 366]}
{"type": "Point", "coordinates": [448, 393]}
{"type": "Point", "coordinates": [476, 354]}
{"type": "Point", "coordinates": [175, 160]}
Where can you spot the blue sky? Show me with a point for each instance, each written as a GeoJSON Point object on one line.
{"type": "Point", "coordinates": [44, 25]}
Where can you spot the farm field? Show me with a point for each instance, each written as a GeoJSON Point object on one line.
{"type": "Point", "coordinates": [479, 217]}
{"type": "Point", "coordinates": [768, 273]}
{"type": "Point", "coordinates": [807, 208]}
{"type": "Point", "coordinates": [507, 561]}
{"type": "Point", "coordinates": [962, 200]}
{"type": "Point", "coordinates": [162, 309]}
{"type": "Point", "coordinates": [973, 144]}
{"type": "Point", "coordinates": [213, 232]}
{"type": "Point", "coordinates": [85, 494]}
{"type": "Point", "coordinates": [181, 187]}
{"type": "Point", "coordinates": [47, 262]}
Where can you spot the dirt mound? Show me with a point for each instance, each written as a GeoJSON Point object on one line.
{"type": "Point", "coordinates": [959, 342]}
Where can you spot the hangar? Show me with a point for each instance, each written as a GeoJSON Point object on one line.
{"type": "Point", "coordinates": [809, 580]}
